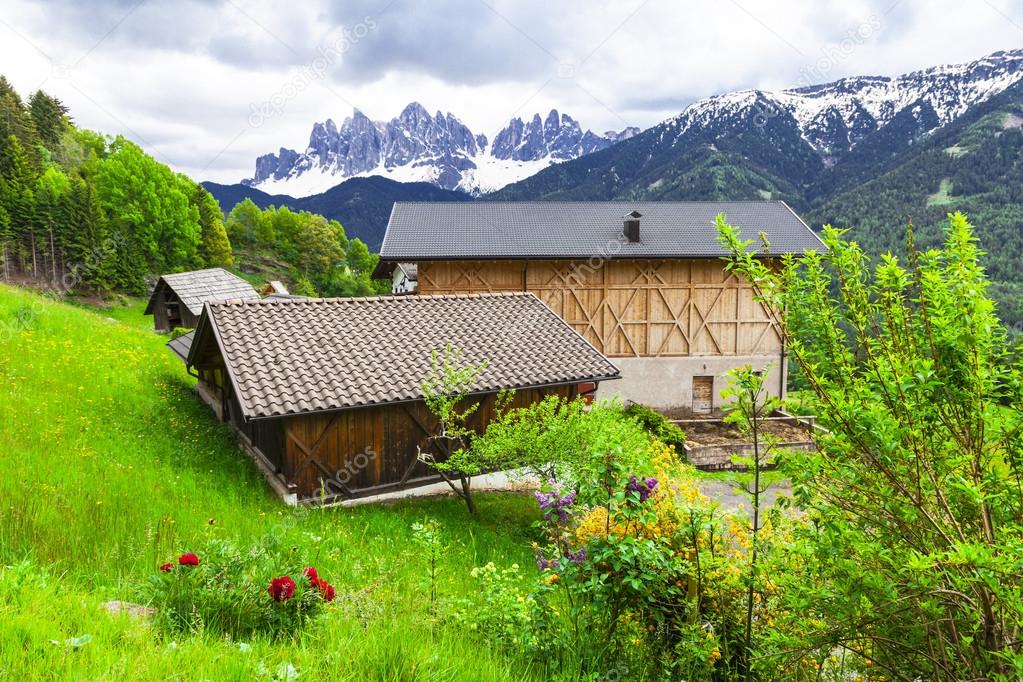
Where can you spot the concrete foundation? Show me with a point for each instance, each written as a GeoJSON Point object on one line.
{"type": "Point", "coordinates": [667, 382]}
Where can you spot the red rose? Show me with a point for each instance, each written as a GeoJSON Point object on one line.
{"type": "Point", "coordinates": [282, 588]}
{"type": "Point", "coordinates": [311, 574]}
{"type": "Point", "coordinates": [188, 560]}
{"type": "Point", "coordinates": [325, 588]}
{"type": "Point", "coordinates": [167, 568]}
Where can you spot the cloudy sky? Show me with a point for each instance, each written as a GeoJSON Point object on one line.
{"type": "Point", "coordinates": [206, 86]}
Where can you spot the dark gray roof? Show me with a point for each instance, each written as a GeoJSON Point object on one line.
{"type": "Point", "coordinates": [296, 356]}
{"type": "Point", "coordinates": [181, 345]}
{"type": "Point", "coordinates": [198, 286]}
{"type": "Point", "coordinates": [573, 229]}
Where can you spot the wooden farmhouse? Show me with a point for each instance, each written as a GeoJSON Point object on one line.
{"type": "Point", "coordinates": [329, 404]}
{"type": "Point", "coordinates": [177, 299]}
{"type": "Point", "coordinates": [642, 281]}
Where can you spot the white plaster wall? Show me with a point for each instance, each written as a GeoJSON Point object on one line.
{"type": "Point", "coordinates": [668, 382]}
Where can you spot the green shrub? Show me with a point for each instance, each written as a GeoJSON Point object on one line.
{"type": "Point", "coordinates": [658, 426]}
{"type": "Point", "coordinates": [506, 611]}
{"type": "Point", "coordinates": [238, 593]}
{"type": "Point", "coordinates": [556, 439]}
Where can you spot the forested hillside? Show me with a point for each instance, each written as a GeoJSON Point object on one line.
{"type": "Point", "coordinates": [81, 211]}
{"type": "Point", "coordinates": [362, 205]}
{"type": "Point", "coordinates": [313, 252]}
{"type": "Point", "coordinates": [975, 167]}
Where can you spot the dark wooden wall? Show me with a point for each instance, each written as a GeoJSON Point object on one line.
{"type": "Point", "coordinates": [165, 297]}
{"type": "Point", "coordinates": [366, 450]}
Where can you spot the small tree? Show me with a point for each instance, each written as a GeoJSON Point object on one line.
{"type": "Point", "coordinates": [915, 496]}
{"type": "Point", "coordinates": [445, 391]}
{"type": "Point", "coordinates": [750, 404]}
{"type": "Point", "coordinates": [428, 537]}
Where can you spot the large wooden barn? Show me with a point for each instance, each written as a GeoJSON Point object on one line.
{"type": "Point", "coordinates": [326, 393]}
{"type": "Point", "coordinates": [642, 281]}
{"type": "Point", "coordinates": [177, 299]}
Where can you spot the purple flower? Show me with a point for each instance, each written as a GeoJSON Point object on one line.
{"type": "Point", "coordinates": [578, 556]}
{"type": "Point", "coordinates": [644, 489]}
{"type": "Point", "coordinates": [542, 562]}
{"type": "Point", "coordinates": [554, 504]}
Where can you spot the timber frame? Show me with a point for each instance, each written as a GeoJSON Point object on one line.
{"type": "Point", "coordinates": [628, 307]}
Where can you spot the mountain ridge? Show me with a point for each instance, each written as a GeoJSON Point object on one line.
{"type": "Point", "coordinates": [418, 146]}
{"type": "Point", "coordinates": [799, 141]}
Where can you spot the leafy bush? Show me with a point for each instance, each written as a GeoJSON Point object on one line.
{"type": "Point", "coordinates": [556, 438]}
{"type": "Point", "coordinates": [228, 591]}
{"type": "Point", "coordinates": [506, 611]}
{"type": "Point", "coordinates": [658, 426]}
{"type": "Point", "coordinates": [914, 496]}
{"type": "Point", "coordinates": [641, 574]}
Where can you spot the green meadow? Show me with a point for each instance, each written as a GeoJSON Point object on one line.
{"type": "Point", "coordinates": [111, 467]}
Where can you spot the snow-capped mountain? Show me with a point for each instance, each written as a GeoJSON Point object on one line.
{"type": "Point", "coordinates": [799, 143]}
{"type": "Point", "coordinates": [415, 146]}
{"type": "Point", "coordinates": [833, 117]}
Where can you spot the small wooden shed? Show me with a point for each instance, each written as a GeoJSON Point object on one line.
{"type": "Point", "coordinates": [330, 404]}
{"type": "Point", "coordinates": [177, 299]}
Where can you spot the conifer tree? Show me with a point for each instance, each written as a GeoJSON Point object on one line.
{"type": "Point", "coordinates": [17, 179]}
{"type": "Point", "coordinates": [15, 120]}
{"type": "Point", "coordinates": [90, 252]}
{"type": "Point", "coordinates": [50, 117]}
{"type": "Point", "coordinates": [215, 247]}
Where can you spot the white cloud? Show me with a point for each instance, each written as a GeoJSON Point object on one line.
{"type": "Point", "coordinates": [183, 79]}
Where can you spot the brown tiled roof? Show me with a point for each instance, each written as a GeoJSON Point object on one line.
{"type": "Point", "coordinates": [294, 356]}
{"type": "Point", "coordinates": [198, 286]}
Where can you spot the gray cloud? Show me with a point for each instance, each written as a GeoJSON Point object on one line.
{"type": "Point", "coordinates": [183, 75]}
{"type": "Point", "coordinates": [452, 40]}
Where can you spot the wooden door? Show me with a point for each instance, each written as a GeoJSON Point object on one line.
{"type": "Point", "coordinates": [703, 394]}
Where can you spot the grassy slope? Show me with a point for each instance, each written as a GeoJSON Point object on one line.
{"type": "Point", "coordinates": [111, 466]}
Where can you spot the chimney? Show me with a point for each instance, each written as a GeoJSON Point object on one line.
{"type": "Point", "coordinates": [631, 230]}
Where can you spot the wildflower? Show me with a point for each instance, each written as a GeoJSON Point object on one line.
{"type": "Point", "coordinates": [166, 568]}
{"type": "Point", "coordinates": [282, 588]}
{"type": "Point", "coordinates": [188, 559]}
{"type": "Point", "coordinates": [551, 579]}
{"type": "Point", "coordinates": [644, 489]}
{"type": "Point", "coordinates": [554, 504]}
{"type": "Point", "coordinates": [578, 556]}
{"type": "Point", "coordinates": [542, 562]}
{"type": "Point", "coordinates": [311, 574]}
{"type": "Point", "coordinates": [325, 588]}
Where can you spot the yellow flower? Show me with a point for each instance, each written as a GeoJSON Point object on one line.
{"type": "Point", "coordinates": [551, 579]}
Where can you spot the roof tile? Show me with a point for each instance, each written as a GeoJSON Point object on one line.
{"type": "Point", "coordinates": [576, 229]}
{"type": "Point", "coordinates": [198, 286]}
{"type": "Point", "coordinates": [309, 355]}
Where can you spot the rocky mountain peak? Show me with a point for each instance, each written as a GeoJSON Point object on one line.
{"type": "Point", "coordinates": [416, 145]}
{"type": "Point", "coordinates": [834, 117]}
